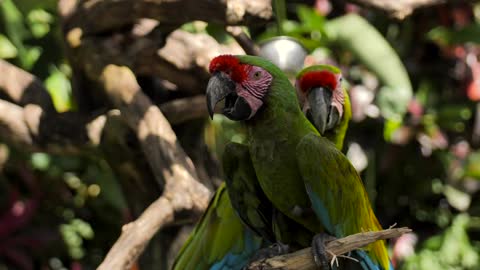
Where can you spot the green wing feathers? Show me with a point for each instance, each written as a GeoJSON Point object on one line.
{"type": "Point", "coordinates": [337, 193]}
{"type": "Point", "coordinates": [218, 234]}
{"type": "Point", "coordinates": [245, 192]}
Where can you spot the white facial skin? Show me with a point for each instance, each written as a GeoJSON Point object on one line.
{"type": "Point", "coordinates": [255, 87]}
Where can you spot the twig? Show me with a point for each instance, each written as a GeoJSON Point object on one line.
{"type": "Point", "coordinates": [243, 40]}
{"type": "Point", "coordinates": [22, 87]}
{"type": "Point", "coordinates": [303, 259]}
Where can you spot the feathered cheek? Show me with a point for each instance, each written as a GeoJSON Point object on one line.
{"type": "Point", "coordinates": [253, 102]}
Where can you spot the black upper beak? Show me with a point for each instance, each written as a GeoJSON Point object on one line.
{"type": "Point", "coordinates": [323, 115]}
{"type": "Point", "coordinates": [219, 86]}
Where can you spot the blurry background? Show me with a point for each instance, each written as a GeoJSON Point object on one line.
{"type": "Point", "coordinates": [413, 73]}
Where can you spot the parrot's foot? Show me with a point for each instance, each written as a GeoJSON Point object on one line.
{"type": "Point", "coordinates": [276, 249]}
{"type": "Point", "coordinates": [319, 251]}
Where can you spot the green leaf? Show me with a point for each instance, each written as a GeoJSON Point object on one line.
{"type": "Point", "coordinates": [390, 127]}
{"type": "Point", "coordinates": [7, 49]}
{"type": "Point", "coordinates": [450, 250]}
{"type": "Point", "coordinates": [27, 5]}
{"type": "Point", "coordinates": [472, 167]}
{"type": "Point", "coordinates": [445, 36]}
{"type": "Point", "coordinates": [359, 37]}
{"type": "Point", "coordinates": [310, 19]}
{"type": "Point", "coordinates": [58, 85]}
{"type": "Point", "coordinates": [17, 33]}
{"type": "Point", "coordinates": [40, 161]}
{"type": "Point", "coordinates": [39, 21]}
{"type": "Point", "coordinates": [456, 198]}
{"type": "Point", "coordinates": [217, 31]}
{"type": "Point", "coordinates": [393, 102]}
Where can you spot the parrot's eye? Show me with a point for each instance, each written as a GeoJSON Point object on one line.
{"type": "Point", "coordinates": [257, 75]}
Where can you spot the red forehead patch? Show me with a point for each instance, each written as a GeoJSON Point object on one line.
{"type": "Point", "coordinates": [318, 78]}
{"type": "Point", "coordinates": [230, 65]}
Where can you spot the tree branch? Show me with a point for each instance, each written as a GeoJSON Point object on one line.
{"type": "Point", "coordinates": [37, 126]}
{"type": "Point", "coordinates": [247, 44]}
{"type": "Point", "coordinates": [97, 16]}
{"type": "Point", "coordinates": [303, 259]}
{"type": "Point", "coordinates": [183, 109]}
{"type": "Point", "coordinates": [22, 87]}
{"type": "Point", "coordinates": [166, 158]}
{"type": "Point", "coordinates": [183, 60]}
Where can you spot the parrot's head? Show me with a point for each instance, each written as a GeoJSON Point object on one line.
{"type": "Point", "coordinates": [321, 96]}
{"type": "Point", "coordinates": [242, 81]}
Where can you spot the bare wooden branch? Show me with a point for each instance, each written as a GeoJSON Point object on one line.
{"type": "Point", "coordinates": [166, 158]}
{"type": "Point", "coordinates": [97, 16]}
{"type": "Point", "coordinates": [22, 87]}
{"type": "Point", "coordinates": [136, 235]}
{"type": "Point", "coordinates": [183, 60]}
{"type": "Point", "coordinates": [38, 126]}
{"type": "Point", "coordinates": [12, 126]}
{"type": "Point", "coordinates": [247, 44]}
{"type": "Point", "coordinates": [184, 109]}
{"type": "Point", "coordinates": [400, 9]}
{"type": "Point", "coordinates": [303, 259]}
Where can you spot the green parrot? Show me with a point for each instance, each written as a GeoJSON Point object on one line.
{"type": "Point", "coordinates": [239, 245]}
{"type": "Point", "coordinates": [304, 176]}
{"type": "Point", "coordinates": [246, 195]}
{"type": "Point", "coordinates": [312, 90]}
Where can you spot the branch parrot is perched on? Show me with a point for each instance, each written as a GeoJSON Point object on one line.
{"type": "Point", "coordinates": [237, 243]}
{"type": "Point", "coordinates": [302, 174]}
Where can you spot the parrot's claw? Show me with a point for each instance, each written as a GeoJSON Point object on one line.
{"type": "Point", "coordinates": [319, 251]}
{"type": "Point", "coordinates": [271, 251]}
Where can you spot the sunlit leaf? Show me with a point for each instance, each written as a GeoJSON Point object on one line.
{"type": "Point", "coordinates": [39, 21]}
{"type": "Point", "coordinates": [390, 127]}
{"type": "Point", "coordinates": [59, 87]}
{"type": "Point", "coordinates": [83, 228]}
{"type": "Point", "coordinates": [358, 36]}
{"type": "Point", "coordinates": [40, 161]}
{"type": "Point", "coordinates": [456, 198]}
{"type": "Point", "coordinates": [310, 19]}
{"type": "Point", "coordinates": [7, 49]}
{"type": "Point", "coordinates": [472, 167]}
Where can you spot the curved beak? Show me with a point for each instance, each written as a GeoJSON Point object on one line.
{"type": "Point", "coordinates": [219, 86]}
{"type": "Point", "coordinates": [324, 115]}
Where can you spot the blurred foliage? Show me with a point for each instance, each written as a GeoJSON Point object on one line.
{"type": "Point", "coordinates": [67, 209]}
{"type": "Point", "coordinates": [415, 133]}
{"type": "Point", "coordinates": [450, 250]}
